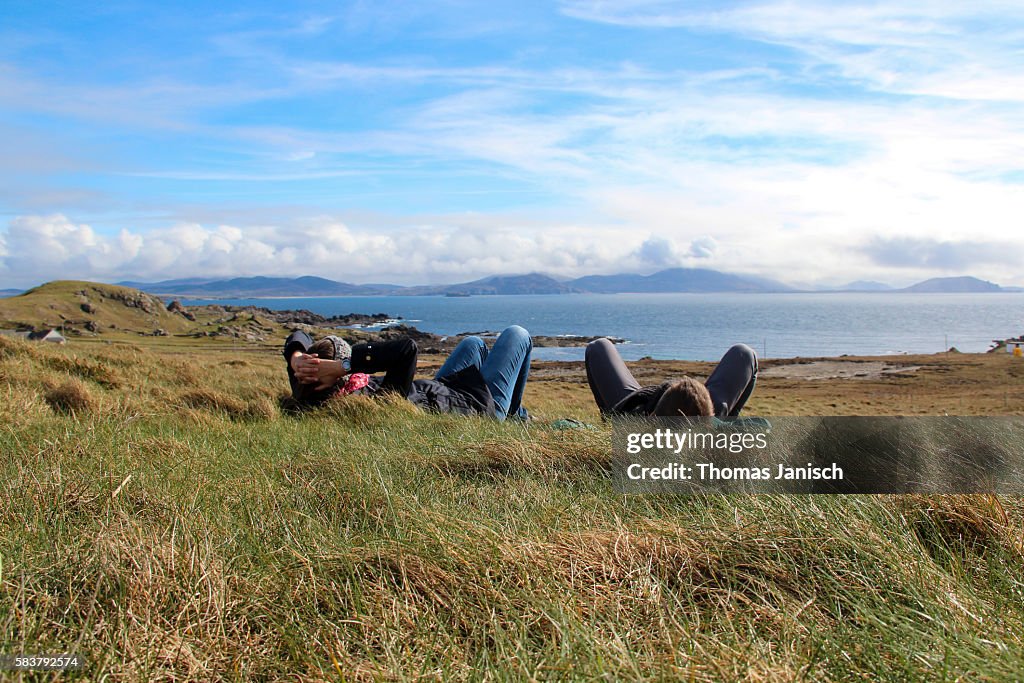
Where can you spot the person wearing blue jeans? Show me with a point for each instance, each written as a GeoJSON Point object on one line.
{"type": "Point", "coordinates": [505, 367]}
{"type": "Point", "coordinates": [473, 380]}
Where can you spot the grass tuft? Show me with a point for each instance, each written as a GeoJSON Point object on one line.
{"type": "Point", "coordinates": [71, 396]}
{"type": "Point", "coordinates": [216, 401]}
{"type": "Point", "coordinates": [210, 400]}
{"type": "Point", "coordinates": [95, 371]}
{"type": "Point", "coordinates": [364, 411]}
{"type": "Point", "coordinates": [965, 525]}
{"type": "Point", "coordinates": [261, 408]}
{"type": "Point", "coordinates": [14, 347]}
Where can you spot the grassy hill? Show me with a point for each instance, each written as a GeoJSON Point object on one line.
{"type": "Point", "coordinates": [162, 517]}
{"type": "Point", "coordinates": [89, 310]}
{"type": "Point", "coordinates": [76, 304]}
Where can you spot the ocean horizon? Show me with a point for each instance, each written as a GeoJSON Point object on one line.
{"type": "Point", "coordinates": [702, 326]}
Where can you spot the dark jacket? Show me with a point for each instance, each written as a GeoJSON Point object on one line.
{"type": "Point", "coordinates": [463, 392]}
{"type": "Point", "coordinates": [640, 402]}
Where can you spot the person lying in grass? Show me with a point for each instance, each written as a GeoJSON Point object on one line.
{"type": "Point", "coordinates": [474, 380]}
{"type": "Point", "coordinates": [723, 394]}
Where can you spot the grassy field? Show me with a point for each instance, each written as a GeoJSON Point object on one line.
{"type": "Point", "coordinates": [163, 518]}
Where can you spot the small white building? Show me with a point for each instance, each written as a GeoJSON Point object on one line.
{"type": "Point", "coordinates": [47, 335]}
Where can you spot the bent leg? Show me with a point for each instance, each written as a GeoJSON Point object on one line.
{"type": "Point", "coordinates": [610, 380]}
{"type": "Point", "coordinates": [732, 381]}
{"type": "Point", "coordinates": [506, 369]}
{"type": "Point", "coordinates": [396, 359]}
{"type": "Point", "coordinates": [470, 351]}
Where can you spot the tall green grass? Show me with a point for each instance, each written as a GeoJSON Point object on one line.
{"type": "Point", "coordinates": [163, 518]}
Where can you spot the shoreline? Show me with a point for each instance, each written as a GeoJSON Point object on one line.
{"type": "Point", "coordinates": [82, 312]}
{"type": "Point", "coordinates": [255, 297]}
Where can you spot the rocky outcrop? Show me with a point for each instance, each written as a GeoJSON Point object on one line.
{"type": "Point", "coordinates": [140, 300]}
{"type": "Point", "coordinates": [176, 308]}
{"type": "Point", "coordinates": [305, 317]}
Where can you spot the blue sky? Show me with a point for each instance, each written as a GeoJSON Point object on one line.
{"type": "Point", "coordinates": [434, 142]}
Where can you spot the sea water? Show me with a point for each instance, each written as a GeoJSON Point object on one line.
{"type": "Point", "coordinates": [702, 326]}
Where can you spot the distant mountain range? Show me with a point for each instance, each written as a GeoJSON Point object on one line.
{"type": "Point", "coordinates": [936, 285]}
{"type": "Point", "coordinates": [258, 286]}
{"type": "Point", "coordinates": [534, 283]}
{"type": "Point", "coordinates": [677, 280]}
{"type": "Point", "coordinates": [697, 280]}
{"type": "Point", "coordinates": [671, 280]}
{"type": "Point", "coordinates": [9, 292]}
{"type": "Point", "coordinates": [954, 284]}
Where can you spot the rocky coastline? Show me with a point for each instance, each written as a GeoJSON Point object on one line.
{"type": "Point", "coordinates": [249, 323]}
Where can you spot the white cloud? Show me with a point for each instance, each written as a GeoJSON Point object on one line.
{"type": "Point", "coordinates": [657, 251]}
{"type": "Point", "coordinates": [703, 247]}
{"type": "Point", "coordinates": [450, 249]}
{"type": "Point", "coordinates": [35, 241]}
{"type": "Point", "coordinates": [41, 248]}
{"type": "Point", "coordinates": [944, 48]}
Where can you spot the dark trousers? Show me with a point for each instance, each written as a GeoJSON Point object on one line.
{"type": "Point", "coordinates": [730, 384]}
{"type": "Point", "coordinates": [396, 359]}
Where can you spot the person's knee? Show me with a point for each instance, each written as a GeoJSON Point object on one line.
{"type": "Point", "coordinates": [515, 336]}
{"type": "Point", "coordinates": [517, 333]}
{"type": "Point", "coordinates": [598, 346]}
{"type": "Point", "coordinates": [744, 355]}
{"type": "Point", "coordinates": [408, 347]}
{"type": "Point", "coordinates": [472, 346]}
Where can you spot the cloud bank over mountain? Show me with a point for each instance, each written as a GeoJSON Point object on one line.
{"type": "Point", "coordinates": [35, 249]}
{"type": "Point", "coordinates": [38, 248]}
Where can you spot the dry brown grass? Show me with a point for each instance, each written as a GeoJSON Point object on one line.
{"type": "Point", "coordinates": [14, 347]}
{"type": "Point", "coordinates": [630, 565]}
{"type": "Point", "coordinates": [364, 411]}
{"type": "Point", "coordinates": [556, 455]}
{"type": "Point", "coordinates": [179, 530]}
{"type": "Point", "coordinates": [210, 399]}
{"type": "Point", "coordinates": [970, 524]}
{"type": "Point", "coordinates": [259, 408]}
{"type": "Point", "coordinates": [954, 384]}
{"type": "Point", "coordinates": [71, 396]}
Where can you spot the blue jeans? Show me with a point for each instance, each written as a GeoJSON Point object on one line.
{"type": "Point", "coordinates": [505, 367]}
